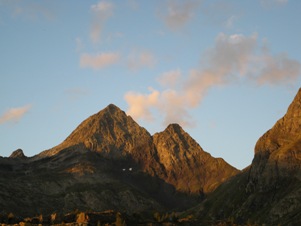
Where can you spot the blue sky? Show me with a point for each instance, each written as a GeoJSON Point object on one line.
{"type": "Point", "coordinates": [224, 70]}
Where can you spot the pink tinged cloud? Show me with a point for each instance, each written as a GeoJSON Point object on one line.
{"type": "Point", "coordinates": [179, 13]}
{"type": "Point", "coordinates": [279, 70]}
{"type": "Point", "coordinates": [170, 78]}
{"type": "Point", "coordinates": [140, 60]}
{"type": "Point", "coordinates": [232, 58]}
{"type": "Point", "coordinates": [98, 61]}
{"type": "Point", "coordinates": [14, 114]}
{"type": "Point", "coordinates": [101, 12]}
{"type": "Point", "coordinates": [140, 104]}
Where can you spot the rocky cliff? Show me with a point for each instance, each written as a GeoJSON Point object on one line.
{"type": "Point", "coordinates": [269, 191]}
{"type": "Point", "coordinates": [186, 165]}
{"type": "Point", "coordinates": [114, 135]}
{"type": "Point", "coordinates": [171, 155]}
{"type": "Point", "coordinates": [110, 162]}
{"type": "Point", "coordinates": [278, 151]}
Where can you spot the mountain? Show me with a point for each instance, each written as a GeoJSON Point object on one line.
{"type": "Point", "coordinates": [278, 151]}
{"type": "Point", "coordinates": [109, 162]}
{"type": "Point", "coordinates": [187, 166]}
{"type": "Point", "coordinates": [17, 154]}
{"type": "Point", "coordinates": [114, 135]}
{"type": "Point", "coordinates": [269, 190]}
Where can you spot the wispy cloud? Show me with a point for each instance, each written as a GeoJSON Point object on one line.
{"type": "Point", "coordinates": [232, 58]}
{"type": "Point", "coordinates": [229, 23]}
{"type": "Point", "coordinates": [137, 60]}
{"type": "Point", "coordinates": [277, 70]}
{"type": "Point", "coordinates": [99, 61]}
{"type": "Point", "coordinates": [33, 10]}
{"type": "Point", "coordinates": [101, 12]}
{"type": "Point", "coordinates": [14, 114]}
{"type": "Point", "coordinates": [170, 78]}
{"type": "Point", "coordinates": [179, 13]}
{"type": "Point", "coordinates": [133, 4]}
{"type": "Point", "coordinates": [79, 44]}
{"type": "Point", "coordinates": [76, 93]}
{"type": "Point", "coordinates": [272, 3]}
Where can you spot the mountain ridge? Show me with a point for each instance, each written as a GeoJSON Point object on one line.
{"type": "Point", "coordinates": [110, 162]}
{"type": "Point", "coordinates": [114, 134]}
{"type": "Point", "coordinates": [269, 190]}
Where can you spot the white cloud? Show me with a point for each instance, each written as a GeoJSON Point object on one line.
{"type": "Point", "coordinates": [14, 114]}
{"type": "Point", "coordinates": [101, 12]}
{"type": "Point", "coordinates": [179, 13]}
{"type": "Point", "coordinates": [232, 58]}
{"type": "Point", "coordinates": [138, 60]}
{"type": "Point", "coordinates": [98, 61]}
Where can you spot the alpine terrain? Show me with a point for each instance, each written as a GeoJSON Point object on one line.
{"type": "Point", "coordinates": [269, 190]}
{"type": "Point", "coordinates": [107, 163]}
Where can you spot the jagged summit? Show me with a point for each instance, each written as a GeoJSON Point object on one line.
{"type": "Point", "coordinates": [111, 109]}
{"type": "Point", "coordinates": [174, 127]}
{"type": "Point", "coordinates": [172, 155]}
{"type": "Point", "coordinates": [188, 167]}
{"type": "Point", "coordinates": [109, 131]}
{"type": "Point", "coordinates": [284, 131]}
{"type": "Point", "coordinates": [278, 148]}
{"type": "Point", "coordinates": [17, 154]}
{"type": "Point", "coordinates": [269, 191]}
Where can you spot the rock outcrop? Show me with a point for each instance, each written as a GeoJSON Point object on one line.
{"type": "Point", "coordinates": [269, 190]}
{"type": "Point", "coordinates": [278, 151]}
{"type": "Point", "coordinates": [188, 167]}
{"type": "Point", "coordinates": [17, 154]}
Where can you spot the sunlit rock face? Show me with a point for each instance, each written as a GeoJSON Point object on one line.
{"type": "Point", "coordinates": [269, 190]}
{"type": "Point", "coordinates": [278, 151]}
{"type": "Point", "coordinates": [114, 135]}
{"type": "Point", "coordinates": [187, 166]}
{"type": "Point", "coordinates": [172, 155]}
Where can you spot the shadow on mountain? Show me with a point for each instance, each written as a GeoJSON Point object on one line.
{"type": "Point", "coordinates": [84, 180]}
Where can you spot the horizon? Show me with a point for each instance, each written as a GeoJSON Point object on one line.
{"type": "Point", "coordinates": [225, 71]}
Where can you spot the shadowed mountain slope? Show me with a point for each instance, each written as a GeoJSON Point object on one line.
{"type": "Point", "coordinates": [269, 191]}
{"type": "Point", "coordinates": [171, 155]}
{"type": "Point", "coordinates": [110, 162]}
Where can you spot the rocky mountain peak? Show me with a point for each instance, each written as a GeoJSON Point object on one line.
{"type": "Point", "coordinates": [277, 151]}
{"type": "Point", "coordinates": [284, 131]}
{"type": "Point", "coordinates": [174, 127]}
{"type": "Point", "coordinates": [17, 154]}
{"type": "Point", "coordinates": [188, 167]}
{"type": "Point", "coordinates": [112, 110]}
{"type": "Point", "coordinates": [113, 134]}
